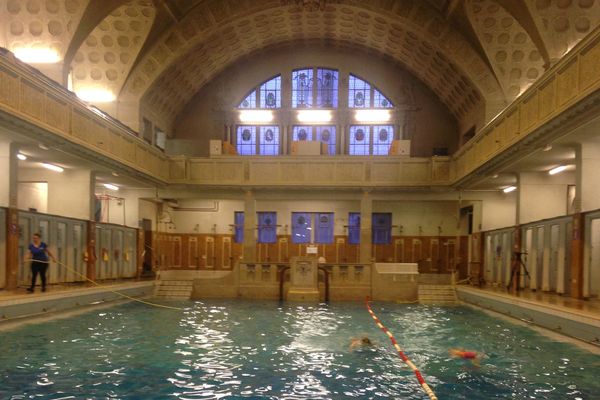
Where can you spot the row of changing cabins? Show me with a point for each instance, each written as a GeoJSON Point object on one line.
{"type": "Point", "coordinates": [547, 244]}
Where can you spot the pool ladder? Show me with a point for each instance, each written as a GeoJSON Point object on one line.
{"type": "Point", "coordinates": [175, 289]}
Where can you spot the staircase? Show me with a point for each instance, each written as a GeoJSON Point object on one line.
{"type": "Point", "coordinates": [174, 289]}
{"type": "Point", "coordinates": [437, 294]}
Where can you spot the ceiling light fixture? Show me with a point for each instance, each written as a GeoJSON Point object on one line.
{"type": "Point", "coordinates": [547, 147]}
{"type": "Point", "coordinates": [372, 115]}
{"type": "Point", "coordinates": [509, 189]}
{"type": "Point", "coordinates": [53, 167]}
{"type": "Point", "coordinates": [256, 116]}
{"type": "Point", "coordinates": [21, 157]}
{"type": "Point", "coordinates": [43, 146]}
{"type": "Point", "coordinates": [314, 116]}
{"type": "Point", "coordinates": [37, 56]}
{"type": "Point", "coordinates": [111, 186]}
{"type": "Point", "coordinates": [92, 95]}
{"type": "Point", "coordinates": [557, 170]}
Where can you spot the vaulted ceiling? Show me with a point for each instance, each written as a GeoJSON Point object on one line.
{"type": "Point", "coordinates": [475, 55]}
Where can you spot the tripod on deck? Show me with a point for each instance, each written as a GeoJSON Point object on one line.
{"type": "Point", "coordinates": [515, 273]}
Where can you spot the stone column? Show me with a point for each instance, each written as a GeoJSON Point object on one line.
{"type": "Point", "coordinates": [366, 211]}
{"type": "Point", "coordinates": [90, 255]}
{"type": "Point", "coordinates": [587, 160]}
{"type": "Point", "coordinates": [139, 253]}
{"type": "Point", "coordinates": [8, 198]}
{"type": "Point", "coordinates": [249, 227]}
{"type": "Point", "coordinates": [515, 268]}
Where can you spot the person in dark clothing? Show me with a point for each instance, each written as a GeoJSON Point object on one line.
{"type": "Point", "coordinates": [38, 255]}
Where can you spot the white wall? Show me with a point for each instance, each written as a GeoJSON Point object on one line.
{"type": "Point", "coordinates": [542, 195]}
{"type": "Point", "coordinates": [33, 195]}
{"type": "Point", "coordinates": [69, 192]}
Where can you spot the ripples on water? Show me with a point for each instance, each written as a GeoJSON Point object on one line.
{"type": "Point", "coordinates": [268, 350]}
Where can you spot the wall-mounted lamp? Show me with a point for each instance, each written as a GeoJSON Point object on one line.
{"type": "Point", "coordinates": [21, 157]}
{"type": "Point", "coordinates": [509, 189]}
{"type": "Point", "coordinates": [110, 186]}
{"type": "Point", "coordinates": [256, 116]}
{"type": "Point", "coordinates": [372, 115]}
{"type": "Point", "coordinates": [52, 167]}
{"type": "Point", "coordinates": [314, 116]}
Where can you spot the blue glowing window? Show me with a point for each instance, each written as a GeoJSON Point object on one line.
{"type": "Point", "coordinates": [326, 134]}
{"type": "Point", "coordinates": [269, 140]}
{"type": "Point", "coordinates": [302, 83]}
{"type": "Point", "coordinates": [246, 140]}
{"type": "Point", "coordinates": [249, 101]}
{"type": "Point", "coordinates": [359, 93]}
{"type": "Point", "coordinates": [324, 227]}
{"type": "Point", "coordinates": [302, 133]}
{"type": "Point", "coordinates": [327, 88]}
{"type": "Point", "coordinates": [238, 224]}
{"type": "Point", "coordinates": [270, 93]}
{"type": "Point", "coordinates": [380, 101]}
{"type": "Point", "coordinates": [267, 227]}
{"type": "Point", "coordinates": [301, 227]}
{"type": "Point", "coordinates": [382, 139]}
{"type": "Point", "coordinates": [353, 228]}
{"type": "Point", "coordinates": [359, 140]}
{"type": "Point", "coordinates": [382, 228]}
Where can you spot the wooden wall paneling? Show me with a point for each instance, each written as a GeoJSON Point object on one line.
{"type": "Point", "coordinates": [193, 255]}
{"type": "Point", "coordinates": [434, 254]}
{"type": "Point", "coordinates": [283, 252]}
{"type": "Point", "coordinates": [399, 250]}
{"type": "Point", "coordinates": [340, 250]}
{"type": "Point", "coordinates": [209, 253]}
{"type": "Point", "coordinates": [417, 250]}
{"type": "Point", "coordinates": [450, 263]}
{"type": "Point", "coordinates": [226, 252]}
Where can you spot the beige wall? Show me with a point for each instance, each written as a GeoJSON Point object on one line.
{"type": "Point", "coordinates": [211, 109]}
{"type": "Point", "coordinates": [410, 214]}
{"type": "Point", "coordinates": [33, 195]}
{"type": "Point", "coordinates": [543, 196]}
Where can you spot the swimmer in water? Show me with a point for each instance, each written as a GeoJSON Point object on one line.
{"type": "Point", "coordinates": [470, 355]}
{"type": "Point", "coordinates": [360, 342]}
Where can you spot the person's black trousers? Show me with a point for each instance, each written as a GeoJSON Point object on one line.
{"type": "Point", "coordinates": [38, 268]}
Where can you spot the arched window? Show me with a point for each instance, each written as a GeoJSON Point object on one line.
{"type": "Point", "coordinates": [266, 95]}
{"type": "Point", "coordinates": [315, 115]}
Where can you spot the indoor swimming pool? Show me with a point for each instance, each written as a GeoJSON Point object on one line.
{"type": "Point", "coordinates": [270, 350]}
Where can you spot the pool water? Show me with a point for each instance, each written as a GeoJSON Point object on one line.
{"type": "Point", "coordinates": [269, 350]}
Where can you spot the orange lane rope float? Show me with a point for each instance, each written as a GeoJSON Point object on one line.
{"type": "Point", "coordinates": [110, 290]}
{"type": "Point", "coordinates": [403, 356]}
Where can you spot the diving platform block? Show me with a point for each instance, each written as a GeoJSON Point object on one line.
{"type": "Point", "coordinates": [303, 279]}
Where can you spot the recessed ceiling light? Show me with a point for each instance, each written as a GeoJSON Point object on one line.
{"type": "Point", "coordinates": [509, 189]}
{"type": "Point", "coordinates": [558, 169]}
{"type": "Point", "coordinates": [21, 157]}
{"type": "Point", "coordinates": [114, 174]}
{"type": "Point", "coordinates": [43, 146]}
{"type": "Point", "coordinates": [547, 147]}
{"type": "Point", "coordinates": [111, 186]}
{"type": "Point", "coordinates": [53, 167]}
{"type": "Point", "coordinates": [494, 176]}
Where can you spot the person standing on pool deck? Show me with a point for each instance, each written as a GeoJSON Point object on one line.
{"type": "Point", "coordinates": [38, 254]}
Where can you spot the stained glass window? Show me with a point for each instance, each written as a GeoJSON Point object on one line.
{"type": "Point", "coordinates": [267, 227]}
{"type": "Point", "coordinates": [301, 227]}
{"type": "Point", "coordinates": [324, 227]}
{"type": "Point", "coordinates": [359, 93]}
{"type": "Point", "coordinates": [327, 88]}
{"type": "Point", "coordinates": [326, 134]}
{"type": "Point", "coordinates": [269, 140]}
{"type": "Point", "coordinates": [359, 140]}
{"type": "Point", "coordinates": [380, 101]}
{"type": "Point", "coordinates": [270, 93]}
{"type": "Point", "coordinates": [249, 101]}
{"type": "Point", "coordinates": [353, 228]}
{"type": "Point", "coordinates": [238, 222]}
{"type": "Point", "coordinates": [246, 140]}
{"type": "Point", "coordinates": [302, 92]}
{"type": "Point", "coordinates": [382, 139]}
{"type": "Point", "coordinates": [382, 228]}
{"type": "Point", "coordinates": [302, 133]}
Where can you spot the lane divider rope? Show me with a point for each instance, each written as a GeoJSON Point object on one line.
{"type": "Point", "coordinates": [110, 290]}
{"type": "Point", "coordinates": [403, 356]}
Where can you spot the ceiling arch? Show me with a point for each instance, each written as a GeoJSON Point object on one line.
{"type": "Point", "coordinates": [512, 53]}
{"type": "Point", "coordinates": [215, 35]}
